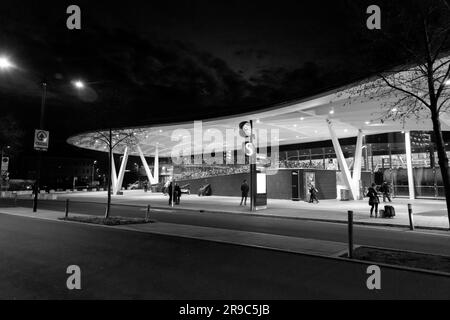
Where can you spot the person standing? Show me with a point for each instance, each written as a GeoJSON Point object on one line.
{"type": "Point", "coordinates": [145, 186]}
{"type": "Point", "coordinates": [373, 200]}
{"type": "Point", "coordinates": [386, 190]}
{"type": "Point", "coordinates": [170, 192]}
{"type": "Point", "coordinates": [244, 190]}
{"type": "Point", "coordinates": [177, 193]}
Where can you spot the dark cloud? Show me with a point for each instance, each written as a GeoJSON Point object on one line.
{"type": "Point", "coordinates": [147, 63]}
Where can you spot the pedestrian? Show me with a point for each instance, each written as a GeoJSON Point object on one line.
{"type": "Point", "coordinates": [373, 200]}
{"type": "Point", "coordinates": [145, 186]}
{"type": "Point", "coordinates": [244, 191]}
{"type": "Point", "coordinates": [177, 193]}
{"type": "Point", "coordinates": [169, 191]}
{"type": "Point", "coordinates": [313, 194]}
{"type": "Point", "coordinates": [386, 190]}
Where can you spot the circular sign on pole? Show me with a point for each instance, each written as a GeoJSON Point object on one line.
{"type": "Point", "coordinates": [245, 129]}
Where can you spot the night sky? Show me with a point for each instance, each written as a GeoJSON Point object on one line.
{"type": "Point", "coordinates": [149, 62]}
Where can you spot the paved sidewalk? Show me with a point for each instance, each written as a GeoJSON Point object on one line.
{"type": "Point", "coordinates": [251, 239]}
{"type": "Point", "coordinates": [427, 213]}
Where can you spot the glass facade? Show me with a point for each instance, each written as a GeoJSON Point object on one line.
{"type": "Point", "coordinates": [385, 157]}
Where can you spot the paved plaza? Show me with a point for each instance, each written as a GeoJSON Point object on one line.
{"type": "Point", "coordinates": [427, 213]}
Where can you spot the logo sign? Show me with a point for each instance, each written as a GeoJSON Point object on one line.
{"type": "Point", "coordinates": [41, 140]}
{"type": "Point", "coordinates": [249, 149]}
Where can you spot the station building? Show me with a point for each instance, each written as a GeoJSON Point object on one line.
{"type": "Point", "coordinates": [335, 140]}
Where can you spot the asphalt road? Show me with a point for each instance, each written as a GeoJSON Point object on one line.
{"type": "Point", "coordinates": [423, 241]}
{"type": "Point", "coordinates": [34, 255]}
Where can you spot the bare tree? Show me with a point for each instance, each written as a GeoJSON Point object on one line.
{"type": "Point", "coordinates": [420, 89]}
{"type": "Point", "coordinates": [111, 139]}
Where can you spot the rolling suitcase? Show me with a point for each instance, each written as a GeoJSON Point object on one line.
{"type": "Point", "coordinates": [389, 211]}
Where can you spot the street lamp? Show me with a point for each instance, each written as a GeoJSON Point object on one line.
{"type": "Point", "coordinates": [5, 63]}
{"type": "Point", "coordinates": [78, 84]}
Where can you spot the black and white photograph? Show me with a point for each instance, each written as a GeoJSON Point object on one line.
{"type": "Point", "coordinates": [224, 156]}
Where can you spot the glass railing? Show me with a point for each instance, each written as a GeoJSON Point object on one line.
{"type": "Point", "coordinates": [436, 192]}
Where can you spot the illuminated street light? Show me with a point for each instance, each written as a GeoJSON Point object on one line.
{"type": "Point", "coordinates": [5, 63]}
{"type": "Point", "coordinates": [78, 84]}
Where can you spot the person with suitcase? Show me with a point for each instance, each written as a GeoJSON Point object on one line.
{"type": "Point", "coordinates": [373, 200]}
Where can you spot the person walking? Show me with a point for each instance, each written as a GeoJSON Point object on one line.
{"type": "Point", "coordinates": [313, 194]}
{"type": "Point", "coordinates": [386, 190]}
{"type": "Point", "coordinates": [373, 200]}
{"type": "Point", "coordinates": [244, 190]}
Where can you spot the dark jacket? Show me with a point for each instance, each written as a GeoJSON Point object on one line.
{"type": "Point", "coordinates": [313, 191]}
{"type": "Point", "coordinates": [245, 188]}
{"type": "Point", "coordinates": [373, 196]}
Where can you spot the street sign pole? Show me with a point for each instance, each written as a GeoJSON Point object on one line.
{"type": "Point", "coordinates": [252, 171]}
{"type": "Point", "coordinates": [39, 155]}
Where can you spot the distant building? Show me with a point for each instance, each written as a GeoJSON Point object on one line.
{"type": "Point", "coordinates": [62, 172]}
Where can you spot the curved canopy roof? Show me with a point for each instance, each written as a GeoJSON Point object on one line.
{"type": "Point", "coordinates": [349, 109]}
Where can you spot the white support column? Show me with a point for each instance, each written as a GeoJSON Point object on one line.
{"type": "Point", "coordinates": [123, 165]}
{"type": "Point", "coordinates": [341, 160]}
{"type": "Point", "coordinates": [409, 164]}
{"type": "Point", "coordinates": [156, 162]}
{"type": "Point", "coordinates": [147, 169]}
{"type": "Point", "coordinates": [357, 163]}
{"type": "Point", "coordinates": [113, 175]}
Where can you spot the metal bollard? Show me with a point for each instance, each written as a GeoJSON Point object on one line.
{"type": "Point", "coordinates": [147, 213]}
{"type": "Point", "coordinates": [411, 219]}
{"type": "Point", "coordinates": [350, 234]}
{"type": "Point", "coordinates": [67, 209]}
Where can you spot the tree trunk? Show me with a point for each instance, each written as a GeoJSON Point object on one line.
{"type": "Point", "coordinates": [442, 158]}
{"type": "Point", "coordinates": [108, 205]}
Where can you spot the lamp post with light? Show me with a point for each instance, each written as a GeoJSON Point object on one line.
{"type": "Point", "coordinates": [6, 64]}
{"type": "Point", "coordinates": [78, 84]}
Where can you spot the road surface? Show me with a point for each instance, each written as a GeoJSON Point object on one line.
{"type": "Point", "coordinates": [389, 237]}
{"type": "Point", "coordinates": [35, 253]}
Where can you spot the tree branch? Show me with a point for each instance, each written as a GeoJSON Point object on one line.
{"type": "Point", "coordinates": [404, 91]}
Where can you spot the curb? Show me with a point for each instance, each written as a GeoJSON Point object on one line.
{"type": "Point", "coordinates": [362, 223]}
{"type": "Point", "coordinates": [392, 225]}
